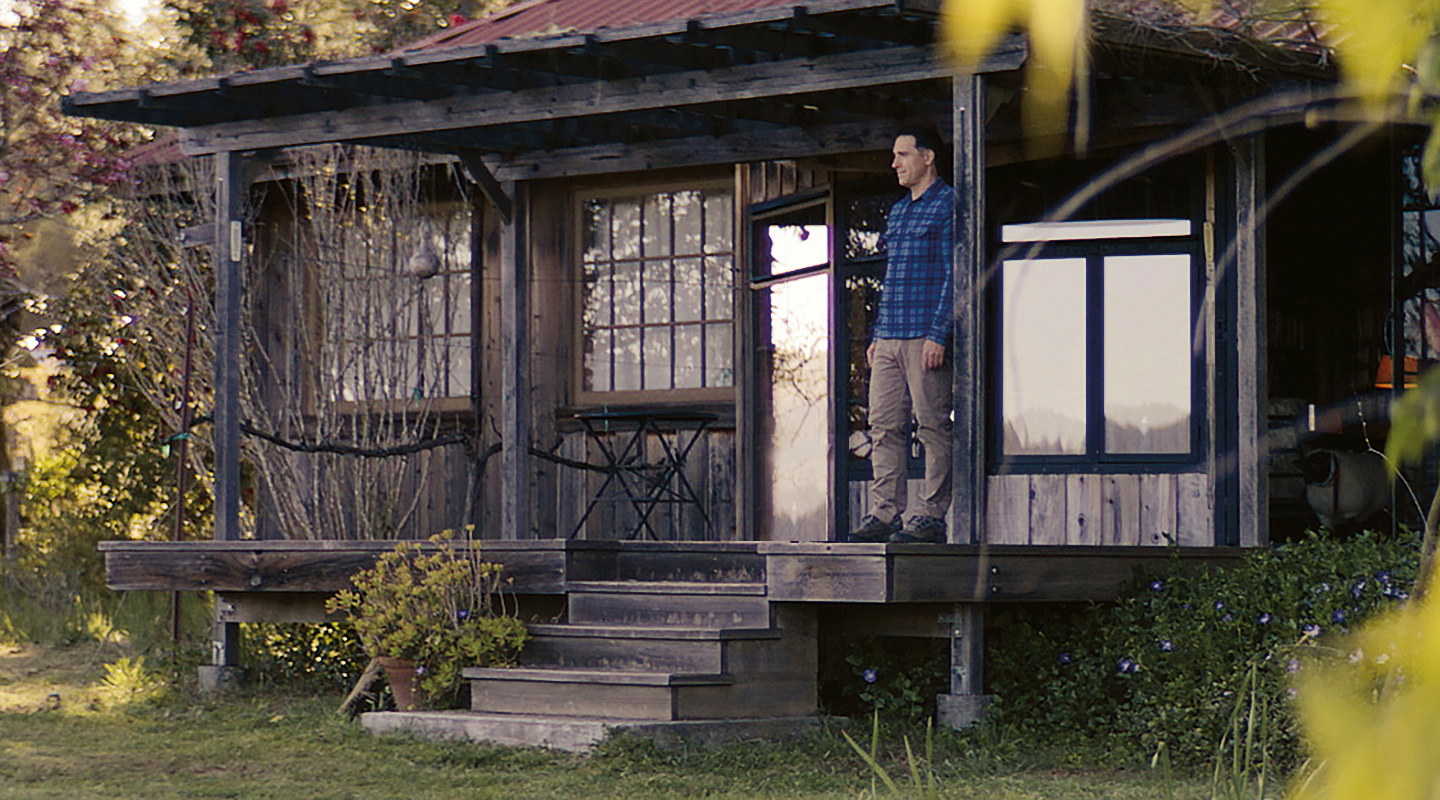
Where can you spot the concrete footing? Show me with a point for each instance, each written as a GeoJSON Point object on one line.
{"type": "Point", "coordinates": [579, 734]}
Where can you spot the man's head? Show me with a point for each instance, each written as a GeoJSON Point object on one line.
{"type": "Point", "coordinates": [914, 158]}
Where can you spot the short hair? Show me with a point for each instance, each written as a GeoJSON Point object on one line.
{"type": "Point", "coordinates": [925, 136]}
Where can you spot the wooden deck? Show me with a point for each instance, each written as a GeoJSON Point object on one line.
{"type": "Point", "coordinates": [791, 572]}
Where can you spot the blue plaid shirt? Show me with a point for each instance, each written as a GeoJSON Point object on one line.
{"type": "Point", "coordinates": [918, 294]}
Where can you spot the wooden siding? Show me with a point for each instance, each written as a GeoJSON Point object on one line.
{"type": "Point", "coordinates": [1100, 509]}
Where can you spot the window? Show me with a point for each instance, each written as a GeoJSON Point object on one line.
{"type": "Point", "coordinates": [658, 291]}
{"type": "Point", "coordinates": [1097, 361]}
{"type": "Point", "coordinates": [402, 304]}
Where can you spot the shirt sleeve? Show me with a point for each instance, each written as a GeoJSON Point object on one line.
{"type": "Point", "coordinates": [942, 326]}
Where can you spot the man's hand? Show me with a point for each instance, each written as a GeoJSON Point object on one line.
{"type": "Point", "coordinates": [870, 355]}
{"type": "Point", "coordinates": [932, 355]}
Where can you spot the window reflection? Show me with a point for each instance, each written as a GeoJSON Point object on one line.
{"type": "Point", "coordinates": [1043, 367]}
{"type": "Point", "coordinates": [795, 437]}
{"type": "Point", "coordinates": [1147, 354]}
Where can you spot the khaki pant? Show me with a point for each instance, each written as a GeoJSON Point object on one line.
{"type": "Point", "coordinates": [900, 384]}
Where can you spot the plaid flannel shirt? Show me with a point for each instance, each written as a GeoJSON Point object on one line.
{"type": "Point", "coordinates": [917, 297]}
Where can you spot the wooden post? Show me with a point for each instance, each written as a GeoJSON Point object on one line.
{"type": "Point", "coordinates": [967, 451]}
{"type": "Point", "coordinates": [230, 186]}
{"type": "Point", "coordinates": [965, 704]}
{"type": "Point", "coordinates": [515, 511]}
{"type": "Point", "coordinates": [1252, 400]}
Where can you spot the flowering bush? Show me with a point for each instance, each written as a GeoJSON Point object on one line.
{"type": "Point", "coordinates": [1168, 662]}
{"type": "Point", "coordinates": [440, 606]}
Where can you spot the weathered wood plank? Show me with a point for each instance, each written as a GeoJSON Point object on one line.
{"type": "Point", "coordinates": [967, 457]}
{"type": "Point", "coordinates": [1047, 509]}
{"type": "Point", "coordinates": [1121, 512]}
{"type": "Point", "coordinates": [516, 400]}
{"type": "Point", "coordinates": [1157, 509]}
{"type": "Point", "coordinates": [1252, 392]}
{"type": "Point", "coordinates": [1194, 510]}
{"type": "Point", "coordinates": [1083, 509]}
{"type": "Point", "coordinates": [1007, 517]}
{"type": "Point", "coordinates": [830, 577]}
{"type": "Point", "coordinates": [773, 79]}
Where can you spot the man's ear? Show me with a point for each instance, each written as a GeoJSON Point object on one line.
{"type": "Point", "coordinates": [928, 155]}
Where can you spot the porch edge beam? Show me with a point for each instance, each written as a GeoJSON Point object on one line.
{"type": "Point", "coordinates": [850, 70]}
{"type": "Point", "coordinates": [515, 512]}
{"type": "Point", "coordinates": [489, 185]}
{"type": "Point", "coordinates": [967, 448]}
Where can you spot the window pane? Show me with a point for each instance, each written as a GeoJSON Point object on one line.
{"type": "Point", "coordinates": [626, 294]}
{"type": "Point", "coordinates": [1147, 354]}
{"type": "Point", "coordinates": [657, 226]}
{"type": "Point", "coordinates": [627, 360]}
{"type": "Point", "coordinates": [597, 296]}
{"type": "Point", "coordinates": [719, 355]}
{"type": "Point", "coordinates": [625, 229]}
{"type": "Point", "coordinates": [719, 288]}
{"type": "Point", "coordinates": [795, 432]}
{"type": "Point", "coordinates": [687, 223]}
{"type": "Point", "coordinates": [657, 292]}
{"type": "Point", "coordinates": [687, 289]}
{"type": "Point", "coordinates": [597, 360]}
{"type": "Point", "coordinates": [688, 349]}
{"type": "Point", "coordinates": [459, 362]}
{"type": "Point", "coordinates": [597, 230]}
{"type": "Point", "coordinates": [1043, 363]}
{"type": "Point", "coordinates": [460, 288]}
{"type": "Point", "coordinates": [657, 357]}
{"type": "Point", "coordinates": [718, 216]}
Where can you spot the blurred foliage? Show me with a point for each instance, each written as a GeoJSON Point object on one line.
{"type": "Point", "coordinates": [246, 34]}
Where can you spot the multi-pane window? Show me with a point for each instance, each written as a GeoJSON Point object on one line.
{"type": "Point", "coordinates": [1097, 354]}
{"type": "Point", "coordinates": [404, 311]}
{"type": "Point", "coordinates": [658, 283]}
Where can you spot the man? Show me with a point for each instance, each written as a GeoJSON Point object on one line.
{"type": "Point", "coordinates": [909, 370]}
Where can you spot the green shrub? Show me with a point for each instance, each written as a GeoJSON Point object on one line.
{"type": "Point", "coordinates": [1168, 661]}
{"type": "Point", "coordinates": [325, 656]}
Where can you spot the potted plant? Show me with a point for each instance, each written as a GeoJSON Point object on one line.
{"type": "Point", "coordinates": [437, 605]}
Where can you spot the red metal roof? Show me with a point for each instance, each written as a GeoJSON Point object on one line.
{"type": "Point", "coordinates": [551, 17]}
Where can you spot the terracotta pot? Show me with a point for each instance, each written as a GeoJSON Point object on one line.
{"type": "Point", "coordinates": [404, 683]}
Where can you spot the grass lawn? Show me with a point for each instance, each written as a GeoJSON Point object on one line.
{"type": "Point", "coordinates": [64, 733]}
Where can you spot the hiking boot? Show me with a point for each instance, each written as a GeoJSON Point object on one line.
{"type": "Point", "coordinates": [920, 529]}
{"type": "Point", "coordinates": [872, 530]}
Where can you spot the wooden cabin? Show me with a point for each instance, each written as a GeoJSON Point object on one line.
{"type": "Point", "coordinates": [633, 284]}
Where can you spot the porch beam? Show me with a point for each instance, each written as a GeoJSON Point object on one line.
{"type": "Point", "coordinates": [889, 66]}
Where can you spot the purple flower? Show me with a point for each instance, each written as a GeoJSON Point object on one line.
{"type": "Point", "coordinates": [1292, 693]}
{"type": "Point", "coordinates": [1064, 658]}
{"type": "Point", "coordinates": [463, 614]}
{"type": "Point", "coordinates": [1293, 665]}
{"type": "Point", "coordinates": [1226, 618]}
{"type": "Point", "coordinates": [1264, 618]}
{"type": "Point", "coordinates": [1383, 576]}
{"type": "Point", "coordinates": [1311, 630]}
{"type": "Point", "coordinates": [870, 675]}
{"type": "Point", "coordinates": [1337, 616]}
{"type": "Point", "coordinates": [1324, 587]}
{"type": "Point", "coordinates": [1166, 646]}
{"type": "Point", "coordinates": [1127, 666]}
{"type": "Point", "coordinates": [1219, 604]}
{"type": "Point", "coordinates": [1357, 590]}
{"type": "Point", "coordinates": [1157, 586]}
{"type": "Point", "coordinates": [419, 669]}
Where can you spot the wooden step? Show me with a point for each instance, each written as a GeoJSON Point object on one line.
{"type": "Point", "coordinates": [603, 694]}
{"type": "Point", "coordinates": [700, 562]}
{"type": "Point", "coordinates": [635, 648]}
{"type": "Point", "coordinates": [718, 605]}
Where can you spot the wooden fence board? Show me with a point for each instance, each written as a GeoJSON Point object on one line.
{"type": "Point", "coordinates": [1007, 518]}
{"type": "Point", "coordinates": [1121, 512]}
{"type": "Point", "coordinates": [1047, 509]}
{"type": "Point", "coordinates": [1083, 509]}
{"type": "Point", "coordinates": [1157, 509]}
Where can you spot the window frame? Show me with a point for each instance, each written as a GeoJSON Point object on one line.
{"type": "Point", "coordinates": [575, 203]}
{"type": "Point", "coordinates": [1094, 251]}
{"type": "Point", "coordinates": [461, 208]}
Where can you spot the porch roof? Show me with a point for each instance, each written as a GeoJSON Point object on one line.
{"type": "Point", "coordinates": [763, 79]}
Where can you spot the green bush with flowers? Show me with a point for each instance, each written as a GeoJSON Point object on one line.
{"type": "Point", "coordinates": [435, 603]}
{"type": "Point", "coordinates": [1168, 664]}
